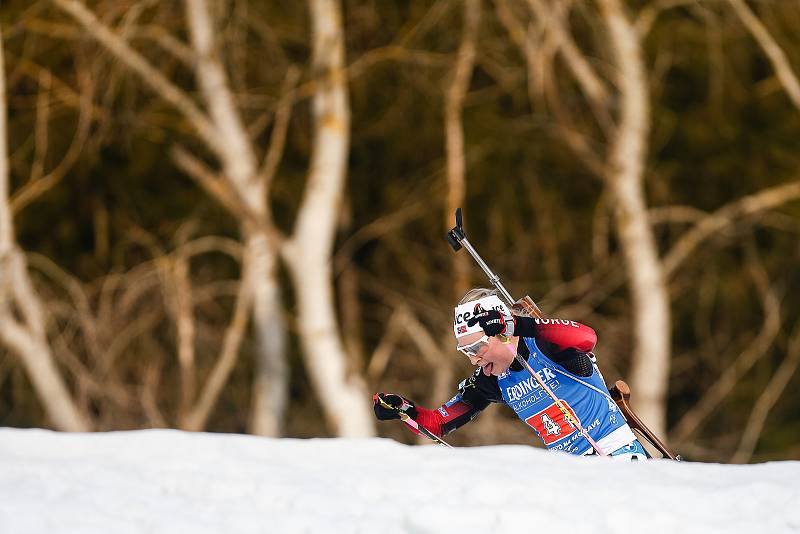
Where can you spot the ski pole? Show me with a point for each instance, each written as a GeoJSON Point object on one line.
{"type": "Point", "coordinates": [408, 420]}
{"type": "Point", "coordinates": [458, 238]}
{"type": "Point", "coordinates": [424, 431]}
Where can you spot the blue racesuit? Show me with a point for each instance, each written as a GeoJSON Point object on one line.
{"type": "Point", "coordinates": [573, 377]}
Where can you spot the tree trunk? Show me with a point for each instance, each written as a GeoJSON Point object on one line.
{"type": "Point", "coordinates": [270, 398]}
{"type": "Point", "coordinates": [456, 178]}
{"type": "Point", "coordinates": [270, 386]}
{"type": "Point", "coordinates": [341, 391]}
{"type": "Point", "coordinates": [651, 316]}
{"type": "Point", "coordinates": [22, 326]}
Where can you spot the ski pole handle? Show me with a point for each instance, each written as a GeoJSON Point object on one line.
{"type": "Point", "coordinates": [411, 423]}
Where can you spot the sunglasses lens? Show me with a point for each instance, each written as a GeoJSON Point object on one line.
{"type": "Point", "coordinates": [473, 348]}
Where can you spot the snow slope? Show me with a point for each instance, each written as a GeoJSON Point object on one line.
{"type": "Point", "coordinates": [165, 481]}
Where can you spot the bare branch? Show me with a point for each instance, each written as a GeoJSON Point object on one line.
{"type": "Point", "coordinates": [675, 215]}
{"type": "Point", "coordinates": [151, 380]}
{"type": "Point", "coordinates": [776, 56]}
{"type": "Point", "coordinates": [78, 296]}
{"type": "Point", "coordinates": [380, 226]}
{"type": "Point", "coordinates": [764, 200]}
{"type": "Point", "coordinates": [197, 417]}
{"type": "Point", "coordinates": [380, 356]}
{"type": "Point", "coordinates": [432, 353]}
{"type": "Point", "coordinates": [127, 335]}
{"type": "Point", "coordinates": [177, 48]}
{"type": "Point", "coordinates": [454, 133]}
{"type": "Point", "coordinates": [6, 218]}
{"type": "Point", "coordinates": [207, 244]}
{"type": "Point", "coordinates": [378, 55]}
{"type": "Point", "coordinates": [42, 122]}
{"type": "Point", "coordinates": [184, 317]}
{"type": "Point", "coordinates": [591, 84]}
{"type": "Point", "coordinates": [222, 191]}
{"type": "Point", "coordinates": [279, 129]}
{"type": "Point", "coordinates": [61, 89]}
{"type": "Point", "coordinates": [579, 144]}
{"type": "Point", "coordinates": [38, 184]}
{"type": "Point", "coordinates": [51, 28]}
{"type": "Point", "coordinates": [715, 394]}
{"type": "Point", "coordinates": [510, 21]}
{"type": "Point", "coordinates": [769, 396]}
{"type": "Point", "coordinates": [648, 15]}
{"type": "Point", "coordinates": [238, 158]}
{"type": "Point", "coordinates": [149, 74]}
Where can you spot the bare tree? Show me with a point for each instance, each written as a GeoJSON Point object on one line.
{"type": "Point", "coordinates": [625, 179]}
{"type": "Point", "coordinates": [773, 51]}
{"type": "Point", "coordinates": [622, 169]}
{"type": "Point", "coordinates": [308, 252]}
{"type": "Point", "coordinates": [460, 78]}
{"type": "Point", "coordinates": [22, 320]}
{"type": "Point", "coordinates": [243, 187]}
{"type": "Point", "coordinates": [768, 398]}
{"type": "Point", "coordinates": [249, 186]}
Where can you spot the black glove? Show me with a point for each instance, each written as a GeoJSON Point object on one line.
{"type": "Point", "coordinates": [389, 406]}
{"type": "Point", "coordinates": [494, 323]}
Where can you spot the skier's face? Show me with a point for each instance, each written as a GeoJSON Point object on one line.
{"type": "Point", "coordinates": [494, 356]}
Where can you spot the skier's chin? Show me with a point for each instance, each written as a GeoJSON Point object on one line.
{"type": "Point", "coordinates": [487, 369]}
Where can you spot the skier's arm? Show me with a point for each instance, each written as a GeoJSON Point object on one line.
{"type": "Point", "coordinates": [474, 394]}
{"type": "Point", "coordinates": [556, 335]}
{"type": "Point", "coordinates": [447, 417]}
{"type": "Point", "coordinates": [567, 343]}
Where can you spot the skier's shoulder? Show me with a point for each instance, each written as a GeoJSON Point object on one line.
{"type": "Point", "coordinates": [558, 334]}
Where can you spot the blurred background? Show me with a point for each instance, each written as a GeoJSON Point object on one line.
{"type": "Point", "coordinates": [229, 215]}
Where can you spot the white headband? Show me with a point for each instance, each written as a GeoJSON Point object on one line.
{"type": "Point", "coordinates": [463, 312]}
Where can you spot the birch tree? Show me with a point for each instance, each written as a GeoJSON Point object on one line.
{"type": "Point", "coordinates": [242, 186]}
{"type": "Point", "coordinates": [456, 91]}
{"type": "Point", "coordinates": [22, 318]}
{"type": "Point", "coordinates": [622, 169]}
{"type": "Point", "coordinates": [308, 252]}
{"type": "Point", "coordinates": [625, 179]}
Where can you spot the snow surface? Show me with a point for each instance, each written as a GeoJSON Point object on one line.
{"type": "Point", "coordinates": [166, 481]}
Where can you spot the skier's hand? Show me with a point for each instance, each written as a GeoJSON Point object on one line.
{"type": "Point", "coordinates": [389, 406]}
{"type": "Point", "coordinates": [494, 323]}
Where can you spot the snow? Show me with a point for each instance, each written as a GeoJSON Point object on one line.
{"type": "Point", "coordinates": [167, 481]}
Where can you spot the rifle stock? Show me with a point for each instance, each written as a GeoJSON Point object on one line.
{"type": "Point", "coordinates": [621, 393]}
{"type": "Point", "coordinates": [527, 307]}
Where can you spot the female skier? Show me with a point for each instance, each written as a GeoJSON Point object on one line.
{"type": "Point", "coordinates": [559, 351]}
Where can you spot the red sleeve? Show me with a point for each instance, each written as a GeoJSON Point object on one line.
{"type": "Point", "coordinates": [439, 424]}
{"type": "Point", "coordinates": [563, 334]}
{"type": "Point", "coordinates": [475, 393]}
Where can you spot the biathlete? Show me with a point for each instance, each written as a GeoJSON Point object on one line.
{"type": "Point", "coordinates": [559, 351]}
